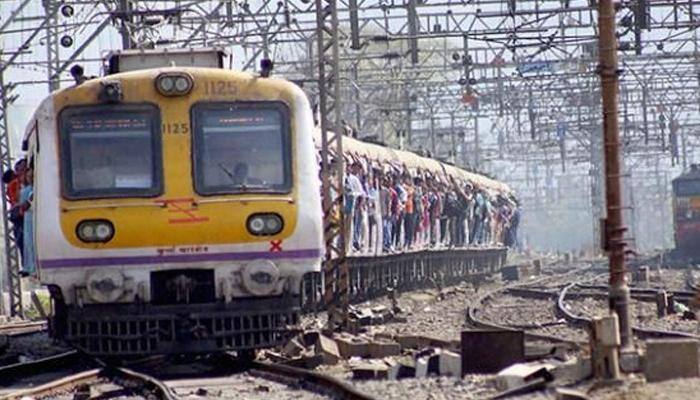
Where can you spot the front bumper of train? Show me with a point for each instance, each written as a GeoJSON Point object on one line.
{"type": "Point", "coordinates": [127, 330]}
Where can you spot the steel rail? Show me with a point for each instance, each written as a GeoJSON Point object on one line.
{"type": "Point", "coordinates": [13, 372]}
{"type": "Point", "coordinates": [473, 319]}
{"type": "Point", "coordinates": [642, 294]}
{"type": "Point", "coordinates": [310, 380]}
{"type": "Point", "coordinates": [24, 328]}
{"type": "Point", "coordinates": [58, 386]}
{"type": "Point", "coordinates": [640, 332]}
{"type": "Point", "coordinates": [154, 385]}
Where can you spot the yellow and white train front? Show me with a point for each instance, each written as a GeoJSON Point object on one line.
{"type": "Point", "coordinates": [177, 210]}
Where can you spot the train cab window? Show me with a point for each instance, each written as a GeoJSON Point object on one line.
{"type": "Point", "coordinates": [242, 147]}
{"type": "Point", "coordinates": [111, 151]}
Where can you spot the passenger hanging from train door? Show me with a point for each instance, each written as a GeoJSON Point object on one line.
{"type": "Point", "coordinates": [488, 214]}
{"type": "Point", "coordinates": [435, 211]}
{"type": "Point", "coordinates": [427, 221]}
{"type": "Point", "coordinates": [444, 214]}
{"type": "Point", "coordinates": [25, 203]}
{"type": "Point", "coordinates": [353, 195]}
{"type": "Point", "coordinates": [451, 216]}
{"type": "Point", "coordinates": [385, 211]}
{"type": "Point", "coordinates": [399, 211]}
{"type": "Point", "coordinates": [13, 179]}
{"type": "Point", "coordinates": [462, 205]}
{"type": "Point", "coordinates": [417, 211]}
{"type": "Point", "coordinates": [374, 210]}
{"type": "Point", "coordinates": [479, 210]}
{"type": "Point", "coordinates": [512, 228]}
{"type": "Point", "coordinates": [408, 218]}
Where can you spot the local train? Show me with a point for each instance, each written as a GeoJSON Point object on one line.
{"type": "Point", "coordinates": [177, 205]}
{"type": "Point", "coordinates": [686, 214]}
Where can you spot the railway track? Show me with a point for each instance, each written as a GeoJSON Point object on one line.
{"type": "Point", "coordinates": [23, 328]}
{"type": "Point", "coordinates": [46, 377]}
{"type": "Point", "coordinates": [476, 317]}
{"type": "Point", "coordinates": [637, 294]}
{"type": "Point", "coordinates": [559, 294]}
{"type": "Point", "coordinates": [95, 376]}
{"type": "Point", "coordinates": [553, 291]}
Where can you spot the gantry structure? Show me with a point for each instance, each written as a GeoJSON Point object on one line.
{"type": "Point", "coordinates": [506, 87]}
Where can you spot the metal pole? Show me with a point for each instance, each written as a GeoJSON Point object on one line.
{"type": "Point", "coordinates": [11, 265]}
{"type": "Point", "coordinates": [432, 133]}
{"type": "Point", "coordinates": [453, 156]}
{"type": "Point", "coordinates": [357, 98]}
{"type": "Point", "coordinates": [409, 116]}
{"type": "Point", "coordinates": [126, 20]}
{"type": "Point", "coordinates": [335, 268]}
{"type": "Point", "coordinates": [477, 149]}
{"type": "Point", "coordinates": [53, 62]}
{"type": "Point", "coordinates": [619, 295]}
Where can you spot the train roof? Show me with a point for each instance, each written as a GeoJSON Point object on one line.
{"type": "Point", "coordinates": [387, 159]}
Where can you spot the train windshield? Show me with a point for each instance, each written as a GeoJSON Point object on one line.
{"type": "Point", "coordinates": [111, 151]}
{"type": "Point", "coordinates": [242, 147]}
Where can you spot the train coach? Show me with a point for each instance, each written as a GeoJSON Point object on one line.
{"type": "Point", "coordinates": [177, 207]}
{"type": "Point", "coordinates": [686, 214]}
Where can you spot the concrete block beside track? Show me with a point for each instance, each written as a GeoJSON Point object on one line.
{"type": "Point", "coordinates": [671, 359]}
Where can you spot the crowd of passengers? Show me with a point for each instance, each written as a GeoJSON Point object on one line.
{"type": "Point", "coordinates": [19, 190]}
{"type": "Point", "coordinates": [388, 209]}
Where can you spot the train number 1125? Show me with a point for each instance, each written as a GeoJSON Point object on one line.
{"type": "Point", "coordinates": [176, 128]}
{"type": "Point", "coordinates": [220, 88]}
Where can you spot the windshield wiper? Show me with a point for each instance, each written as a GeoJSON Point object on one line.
{"type": "Point", "coordinates": [228, 173]}
{"type": "Point", "coordinates": [242, 185]}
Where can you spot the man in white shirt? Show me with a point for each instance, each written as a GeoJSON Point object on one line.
{"type": "Point", "coordinates": [354, 192]}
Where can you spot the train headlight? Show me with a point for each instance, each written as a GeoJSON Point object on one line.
{"type": "Point", "coordinates": [174, 83]}
{"type": "Point", "coordinates": [182, 85]}
{"type": "Point", "coordinates": [166, 84]}
{"type": "Point", "coordinates": [95, 231]}
{"type": "Point", "coordinates": [260, 277]}
{"type": "Point", "coordinates": [265, 224]}
{"type": "Point", "coordinates": [105, 285]}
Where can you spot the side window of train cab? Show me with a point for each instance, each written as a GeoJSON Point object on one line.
{"type": "Point", "coordinates": [111, 151]}
{"type": "Point", "coordinates": [242, 147]}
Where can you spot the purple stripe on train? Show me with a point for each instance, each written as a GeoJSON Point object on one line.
{"type": "Point", "coordinates": [179, 258]}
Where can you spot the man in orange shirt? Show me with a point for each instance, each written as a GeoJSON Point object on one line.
{"type": "Point", "coordinates": [8, 179]}
{"type": "Point", "coordinates": [14, 186]}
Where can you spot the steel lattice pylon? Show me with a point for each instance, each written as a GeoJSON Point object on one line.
{"type": "Point", "coordinates": [335, 271]}
{"type": "Point", "coordinates": [11, 259]}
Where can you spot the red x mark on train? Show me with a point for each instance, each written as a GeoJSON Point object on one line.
{"type": "Point", "coordinates": [275, 245]}
{"type": "Point", "coordinates": [184, 208]}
